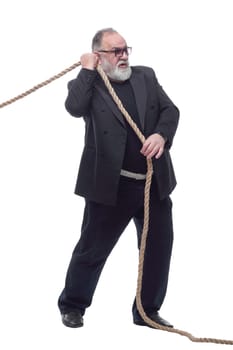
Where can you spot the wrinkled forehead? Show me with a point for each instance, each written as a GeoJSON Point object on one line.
{"type": "Point", "coordinates": [111, 40]}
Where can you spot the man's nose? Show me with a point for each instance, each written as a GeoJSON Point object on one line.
{"type": "Point", "coordinates": [124, 54]}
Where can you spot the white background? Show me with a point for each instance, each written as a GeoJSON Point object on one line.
{"type": "Point", "coordinates": [189, 45]}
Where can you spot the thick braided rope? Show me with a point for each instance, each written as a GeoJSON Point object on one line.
{"type": "Point", "coordinates": [146, 203]}
{"type": "Point", "coordinates": [38, 86]}
{"type": "Point", "coordinates": [145, 229]}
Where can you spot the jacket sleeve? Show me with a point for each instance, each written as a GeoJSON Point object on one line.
{"type": "Point", "coordinates": [168, 116]}
{"type": "Point", "coordinates": [80, 93]}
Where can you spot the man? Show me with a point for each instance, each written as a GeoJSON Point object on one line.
{"type": "Point", "coordinates": [112, 174]}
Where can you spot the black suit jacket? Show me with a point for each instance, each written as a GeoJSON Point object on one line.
{"type": "Point", "coordinates": [105, 134]}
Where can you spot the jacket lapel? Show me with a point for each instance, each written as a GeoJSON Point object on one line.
{"type": "Point", "coordinates": [138, 84]}
{"type": "Point", "coordinates": [108, 99]}
{"type": "Point", "coordinates": [139, 88]}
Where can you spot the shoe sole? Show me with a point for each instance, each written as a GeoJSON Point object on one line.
{"type": "Point", "coordinates": [72, 325]}
{"type": "Point", "coordinates": [142, 323]}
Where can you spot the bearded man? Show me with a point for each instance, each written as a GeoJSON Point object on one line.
{"type": "Point", "coordinates": [112, 175]}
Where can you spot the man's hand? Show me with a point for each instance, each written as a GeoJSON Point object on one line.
{"type": "Point", "coordinates": [89, 60]}
{"type": "Point", "coordinates": [153, 146]}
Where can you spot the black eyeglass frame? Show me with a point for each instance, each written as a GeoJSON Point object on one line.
{"type": "Point", "coordinates": [119, 51]}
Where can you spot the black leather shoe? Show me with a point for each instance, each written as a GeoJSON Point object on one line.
{"type": "Point", "coordinates": [154, 317]}
{"type": "Point", "coordinates": [72, 319]}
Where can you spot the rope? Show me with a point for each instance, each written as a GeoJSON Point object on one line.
{"type": "Point", "coordinates": [149, 174]}
{"type": "Point", "coordinates": [38, 86]}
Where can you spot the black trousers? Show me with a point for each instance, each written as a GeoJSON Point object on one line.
{"type": "Point", "coordinates": [101, 228]}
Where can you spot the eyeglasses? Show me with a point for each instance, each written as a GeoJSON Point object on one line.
{"type": "Point", "coordinates": [118, 51]}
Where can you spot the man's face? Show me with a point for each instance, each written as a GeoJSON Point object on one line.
{"type": "Point", "coordinates": [115, 63]}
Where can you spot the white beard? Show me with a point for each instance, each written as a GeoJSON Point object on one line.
{"type": "Point", "coordinates": [116, 73]}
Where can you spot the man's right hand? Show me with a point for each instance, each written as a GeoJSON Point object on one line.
{"type": "Point", "coordinates": [89, 60]}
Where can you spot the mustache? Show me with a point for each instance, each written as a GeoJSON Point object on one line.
{"type": "Point", "coordinates": [123, 62]}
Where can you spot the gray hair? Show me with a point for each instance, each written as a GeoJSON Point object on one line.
{"type": "Point", "coordinates": [97, 39]}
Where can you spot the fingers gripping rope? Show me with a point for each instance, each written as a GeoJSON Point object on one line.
{"type": "Point", "coordinates": [146, 203]}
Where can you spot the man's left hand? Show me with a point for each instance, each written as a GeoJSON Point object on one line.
{"type": "Point", "coordinates": [153, 146]}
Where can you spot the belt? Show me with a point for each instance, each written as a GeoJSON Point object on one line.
{"type": "Point", "coordinates": [131, 175]}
